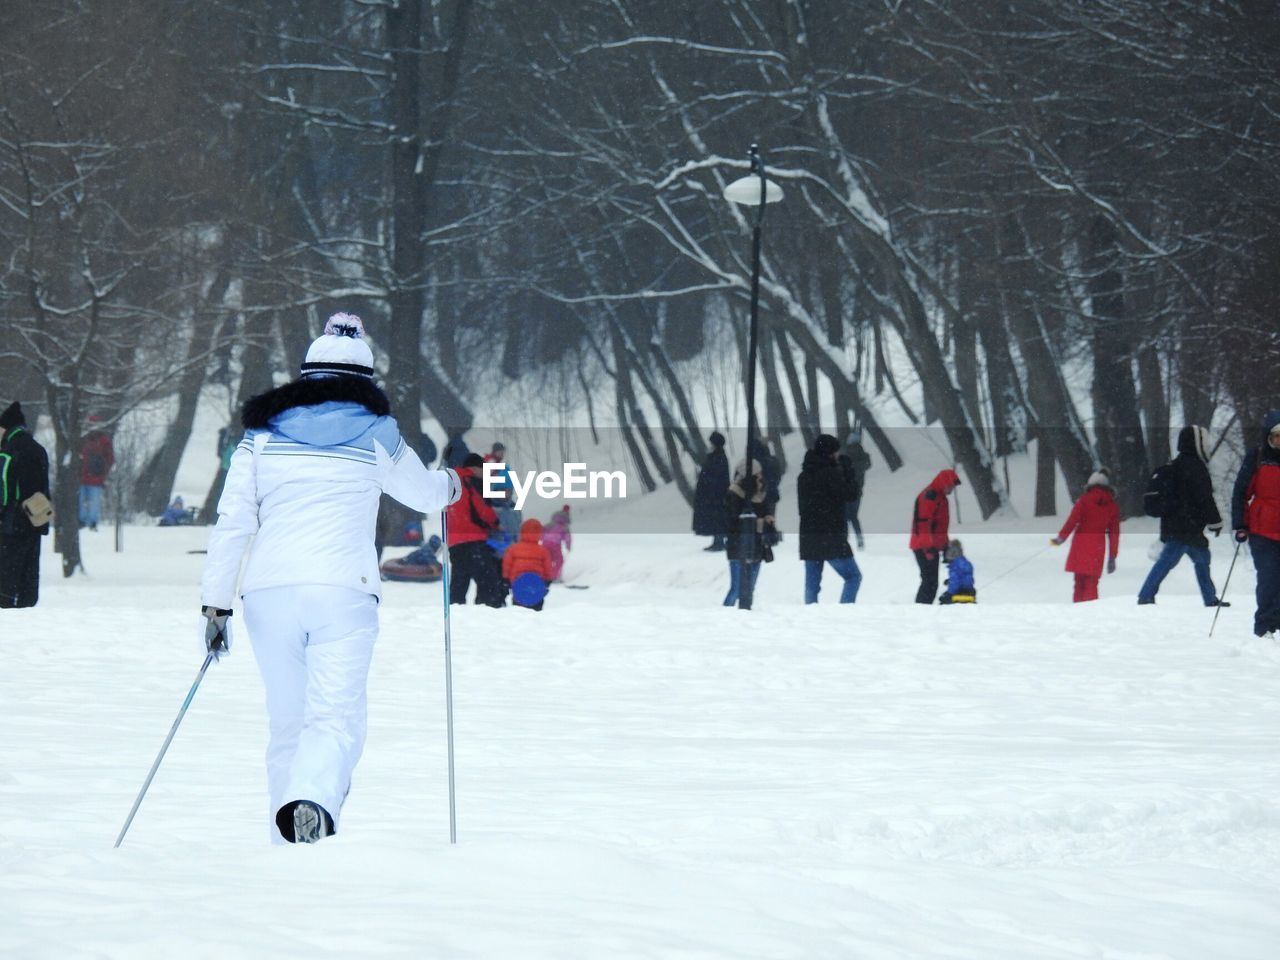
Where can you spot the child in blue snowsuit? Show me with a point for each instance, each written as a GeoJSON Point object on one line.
{"type": "Point", "coordinates": [960, 588]}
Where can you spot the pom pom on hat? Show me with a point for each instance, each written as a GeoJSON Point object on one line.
{"type": "Point", "coordinates": [340, 351]}
{"type": "Point", "coordinates": [1098, 479]}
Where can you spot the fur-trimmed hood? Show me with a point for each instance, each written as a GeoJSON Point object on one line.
{"type": "Point", "coordinates": [259, 411]}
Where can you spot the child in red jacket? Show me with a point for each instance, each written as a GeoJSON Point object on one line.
{"type": "Point", "coordinates": [1095, 519]}
{"type": "Point", "coordinates": [526, 566]}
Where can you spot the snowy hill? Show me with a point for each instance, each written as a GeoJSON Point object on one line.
{"type": "Point", "coordinates": [643, 773]}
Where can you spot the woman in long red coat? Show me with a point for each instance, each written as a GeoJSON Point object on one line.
{"type": "Point", "coordinates": [1095, 519]}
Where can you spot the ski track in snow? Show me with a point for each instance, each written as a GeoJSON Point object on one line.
{"type": "Point", "coordinates": [642, 773]}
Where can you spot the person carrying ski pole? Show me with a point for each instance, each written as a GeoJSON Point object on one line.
{"type": "Point", "coordinates": [1255, 518]}
{"type": "Point", "coordinates": [304, 483]}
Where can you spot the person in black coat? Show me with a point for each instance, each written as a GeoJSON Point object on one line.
{"type": "Point", "coordinates": [709, 519]}
{"type": "Point", "coordinates": [860, 462]}
{"type": "Point", "coordinates": [825, 486]}
{"type": "Point", "coordinates": [24, 471]}
{"type": "Point", "coordinates": [1182, 529]}
{"type": "Point", "coordinates": [747, 493]}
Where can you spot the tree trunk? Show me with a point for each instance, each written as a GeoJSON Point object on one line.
{"type": "Point", "coordinates": [1115, 399]}
{"type": "Point", "coordinates": [1046, 480]}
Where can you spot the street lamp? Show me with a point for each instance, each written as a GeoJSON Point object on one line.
{"type": "Point", "coordinates": [756, 190]}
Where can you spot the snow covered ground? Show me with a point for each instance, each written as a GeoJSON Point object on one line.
{"type": "Point", "coordinates": [643, 773]}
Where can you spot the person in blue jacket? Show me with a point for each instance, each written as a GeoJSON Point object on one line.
{"type": "Point", "coordinates": [960, 588]}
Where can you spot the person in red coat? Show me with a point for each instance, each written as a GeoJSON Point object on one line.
{"type": "Point", "coordinates": [97, 457]}
{"type": "Point", "coordinates": [930, 531]}
{"type": "Point", "coordinates": [470, 521]}
{"type": "Point", "coordinates": [1095, 520]}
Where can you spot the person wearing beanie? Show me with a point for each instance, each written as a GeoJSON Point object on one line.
{"type": "Point", "coordinates": [471, 522]}
{"type": "Point", "coordinates": [24, 480]}
{"type": "Point", "coordinates": [748, 494]}
{"type": "Point", "coordinates": [304, 486]}
{"type": "Point", "coordinates": [1182, 527]}
{"type": "Point", "coordinates": [1255, 518]}
{"type": "Point", "coordinates": [824, 488]}
{"type": "Point", "coordinates": [709, 518]}
{"type": "Point", "coordinates": [1095, 523]}
{"type": "Point", "coordinates": [930, 530]}
{"type": "Point", "coordinates": [860, 462]}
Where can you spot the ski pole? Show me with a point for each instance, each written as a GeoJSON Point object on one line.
{"type": "Point", "coordinates": [448, 675]}
{"type": "Point", "coordinates": [1226, 583]}
{"type": "Point", "coordinates": [167, 740]}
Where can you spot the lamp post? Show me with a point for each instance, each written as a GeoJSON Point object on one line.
{"type": "Point", "coordinates": [753, 189]}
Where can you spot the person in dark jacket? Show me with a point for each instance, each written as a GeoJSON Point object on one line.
{"type": "Point", "coordinates": [744, 491]}
{"type": "Point", "coordinates": [1182, 530]}
{"type": "Point", "coordinates": [860, 460]}
{"type": "Point", "coordinates": [1255, 517]}
{"type": "Point", "coordinates": [930, 530]}
{"type": "Point", "coordinates": [709, 518]}
{"type": "Point", "coordinates": [825, 486]}
{"type": "Point", "coordinates": [470, 522]}
{"type": "Point", "coordinates": [24, 472]}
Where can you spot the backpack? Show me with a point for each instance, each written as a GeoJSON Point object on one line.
{"type": "Point", "coordinates": [6, 462]}
{"type": "Point", "coordinates": [1161, 498]}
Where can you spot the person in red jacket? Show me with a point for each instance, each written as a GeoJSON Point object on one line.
{"type": "Point", "coordinates": [1095, 521]}
{"type": "Point", "coordinates": [930, 531]}
{"type": "Point", "coordinates": [97, 457]}
{"type": "Point", "coordinates": [1255, 518]}
{"type": "Point", "coordinates": [527, 555]}
{"type": "Point", "coordinates": [470, 521]}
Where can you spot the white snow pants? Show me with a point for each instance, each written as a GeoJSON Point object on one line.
{"type": "Point", "coordinates": [313, 645]}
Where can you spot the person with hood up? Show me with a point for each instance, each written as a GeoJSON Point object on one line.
{"type": "Point", "coordinates": [526, 567]}
{"type": "Point", "coordinates": [24, 473]}
{"type": "Point", "coordinates": [825, 487]}
{"type": "Point", "coordinates": [472, 521]}
{"type": "Point", "coordinates": [747, 494]}
{"type": "Point", "coordinates": [1095, 523]}
{"type": "Point", "coordinates": [930, 531]}
{"type": "Point", "coordinates": [709, 518]}
{"type": "Point", "coordinates": [1182, 529]}
{"type": "Point", "coordinates": [304, 486]}
{"type": "Point", "coordinates": [557, 538]}
{"type": "Point", "coordinates": [960, 585]}
{"type": "Point", "coordinates": [1255, 518]}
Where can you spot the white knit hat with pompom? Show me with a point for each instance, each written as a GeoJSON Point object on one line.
{"type": "Point", "coordinates": [340, 351]}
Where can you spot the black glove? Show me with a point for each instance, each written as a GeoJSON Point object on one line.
{"type": "Point", "coordinates": [1242, 535]}
{"type": "Point", "coordinates": [1216, 529]}
{"type": "Point", "coordinates": [1111, 565]}
{"type": "Point", "coordinates": [217, 632]}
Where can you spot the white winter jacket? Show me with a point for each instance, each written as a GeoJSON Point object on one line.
{"type": "Point", "coordinates": [305, 488]}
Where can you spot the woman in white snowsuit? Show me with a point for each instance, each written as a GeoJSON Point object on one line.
{"type": "Point", "coordinates": [304, 483]}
